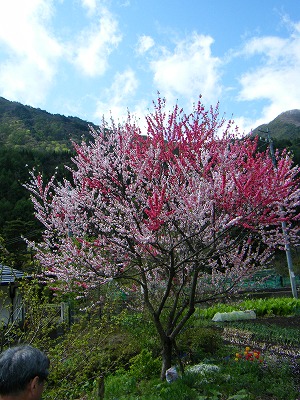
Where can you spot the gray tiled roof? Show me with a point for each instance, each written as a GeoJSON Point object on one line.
{"type": "Point", "coordinates": [9, 274]}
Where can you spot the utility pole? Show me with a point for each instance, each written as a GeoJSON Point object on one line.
{"type": "Point", "coordinates": [283, 226]}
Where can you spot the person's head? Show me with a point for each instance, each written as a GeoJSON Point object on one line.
{"type": "Point", "coordinates": [23, 370]}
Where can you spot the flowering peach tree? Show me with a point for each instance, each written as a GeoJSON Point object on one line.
{"type": "Point", "coordinates": [179, 216]}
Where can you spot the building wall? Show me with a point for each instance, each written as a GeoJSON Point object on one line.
{"type": "Point", "coordinates": [10, 309]}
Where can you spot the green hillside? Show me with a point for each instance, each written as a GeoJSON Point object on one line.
{"type": "Point", "coordinates": [25, 127]}
{"type": "Point", "coordinates": [285, 126]}
{"type": "Point", "coordinates": [284, 131]}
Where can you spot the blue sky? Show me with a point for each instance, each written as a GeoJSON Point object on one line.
{"type": "Point", "coordinates": [89, 58]}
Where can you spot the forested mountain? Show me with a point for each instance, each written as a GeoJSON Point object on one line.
{"type": "Point", "coordinates": [16, 210]}
{"type": "Point", "coordinates": [31, 137]}
{"type": "Point", "coordinates": [286, 126]}
{"type": "Point", "coordinates": [25, 127]}
{"type": "Point", "coordinates": [284, 130]}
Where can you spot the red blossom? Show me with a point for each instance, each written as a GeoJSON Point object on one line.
{"type": "Point", "coordinates": [193, 209]}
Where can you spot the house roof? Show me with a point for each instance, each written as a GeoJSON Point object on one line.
{"type": "Point", "coordinates": [9, 274]}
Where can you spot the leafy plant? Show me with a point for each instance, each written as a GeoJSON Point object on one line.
{"type": "Point", "coordinates": [198, 342]}
{"type": "Point", "coordinates": [144, 365]}
{"type": "Point", "coordinates": [230, 380]}
{"type": "Point", "coordinates": [262, 307]}
{"type": "Point", "coordinates": [92, 349]}
{"type": "Point", "coordinates": [120, 386]}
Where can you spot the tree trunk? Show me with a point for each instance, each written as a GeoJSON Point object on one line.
{"type": "Point", "coordinates": [167, 347]}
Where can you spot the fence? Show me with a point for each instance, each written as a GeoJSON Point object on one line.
{"type": "Point", "coordinates": [269, 279]}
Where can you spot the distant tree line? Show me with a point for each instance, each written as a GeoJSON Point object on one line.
{"type": "Point", "coordinates": [16, 210]}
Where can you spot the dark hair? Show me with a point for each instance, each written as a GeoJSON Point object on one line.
{"type": "Point", "coordinates": [20, 364]}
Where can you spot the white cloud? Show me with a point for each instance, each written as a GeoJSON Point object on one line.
{"type": "Point", "coordinates": [20, 81]}
{"type": "Point", "coordinates": [276, 78]}
{"type": "Point", "coordinates": [96, 44]}
{"type": "Point", "coordinates": [144, 44]}
{"type": "Point", "coordinates": [125, 84]}
{"type": "Point", "coordinates": [189, 71]}
{"type": "Point", "coordinates": [117, 97]}
{"type": "Point", "coordinates": [30, 49]}
{"type": "Point", "coordinates": [90, 5]}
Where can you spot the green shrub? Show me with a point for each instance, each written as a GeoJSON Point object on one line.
{"type": "Point", "coordinates": [123, 386]}
{"type": "Point", "coordinates": [139, 327]}
{"type": "Point", "coordinates": [229, 380]}
{"type": "Point", "coordinates": [178, 390]}
{"type": "Point", "coordinates": [144, 366]}
{"type": "Point", "coordinates": [92, 348]}
{"type": "Point", "coordinates": [119, 386]}
{"type": "Point", "coordinates": [200, 342]}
